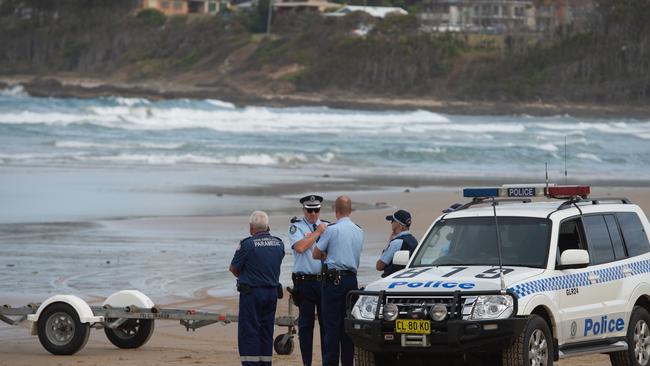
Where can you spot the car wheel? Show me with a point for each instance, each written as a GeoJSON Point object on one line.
{"type": "Point", "coordinates": [533, 347]}
{"type": "Point", "coordinates": [638, 341]}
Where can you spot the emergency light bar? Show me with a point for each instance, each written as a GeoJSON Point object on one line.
{"type": "Point", "coordinates": [528, 190]}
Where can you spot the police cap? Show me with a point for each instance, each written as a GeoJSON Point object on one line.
{"type": "Point", "coordinates": [402, 217]}
{"type": "Point", "coordinates": [311, 201]}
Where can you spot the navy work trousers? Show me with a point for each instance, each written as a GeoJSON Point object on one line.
{"type": "Point", "coordinates": [310, 300]}
{"type": "Point", "coordinates": [336, 342]}
{"type": "Point", "coordinates": [255, 327]}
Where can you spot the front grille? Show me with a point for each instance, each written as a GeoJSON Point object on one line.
{"type": "Point", "coordinates": [407, 304]}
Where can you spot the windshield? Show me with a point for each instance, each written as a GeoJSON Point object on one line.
{"type": "Point", "coordinates": [472, 240]}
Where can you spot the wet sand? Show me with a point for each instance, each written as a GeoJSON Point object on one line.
{"type": "Point", "coordinates": [217, 344]}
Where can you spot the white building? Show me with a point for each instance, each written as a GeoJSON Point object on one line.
{"type": "Point", "coordinates": [375, 11]}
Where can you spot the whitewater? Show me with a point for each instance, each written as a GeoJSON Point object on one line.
{"type": "Point", "coordinates": [119, 132]}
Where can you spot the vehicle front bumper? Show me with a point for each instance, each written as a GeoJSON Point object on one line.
{"type": "Point", "coordinates": [452, 336]}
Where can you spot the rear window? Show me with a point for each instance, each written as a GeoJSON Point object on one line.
{"type": "Point", "coordinates": [600, 244]}
{"type": "Point", "coordinates": [636, 239]}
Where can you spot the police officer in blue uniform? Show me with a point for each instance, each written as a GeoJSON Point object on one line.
{"type": "Point", "coordinates": [256, 265]}
{"type": "Point", "coordinates": [340, 247]}
{"type": "Point", "coordinates": [400, 239]}
{"type": "Point", "coordinates": [303, 234]}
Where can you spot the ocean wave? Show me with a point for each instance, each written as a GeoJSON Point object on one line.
{"type": "Point", "coordinates": [250, 119]}
{"type": "Point", "coordinates": [14, 91]}
{"type": "Point", "coordinates": [586, 156]}
{"type": "Point", "coordinates": [260, 159]}
{"type": "Point", "coordinates": [129, 102]}
{"type": "Point", "coordinates": [220, 104]}
{"type": "Point", "coordinates": [154, 159]}
{"type": "Point", "coordinates": [71, 144]}
{"type": "Point", "coordinates": [546, 147]}
{"type": "Point", "coordinates": [639, 129]}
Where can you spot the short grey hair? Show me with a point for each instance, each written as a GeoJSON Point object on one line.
{"type": "Point", "coordinates": [259, 221]}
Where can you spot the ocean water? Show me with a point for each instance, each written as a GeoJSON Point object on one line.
{"type": "Point", "coordinates": [123, 132]}
{"type": "Point", "coordinates": [70, 169]}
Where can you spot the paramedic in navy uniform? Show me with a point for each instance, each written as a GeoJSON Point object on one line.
{"type": "Point", "coordinates": [340, 246]}
{"type": "Point", "coordinates": [400, 239]}
{"type": "Point", "coordinates": [303, 234]}
{"type": "Point", "coordinates": [256, 265]}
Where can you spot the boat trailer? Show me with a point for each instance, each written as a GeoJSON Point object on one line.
{"type": "Point", "coordinates": [62, 322]}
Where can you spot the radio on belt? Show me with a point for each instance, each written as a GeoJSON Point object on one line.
{"type": "Point", "coordinates": [528, 190]}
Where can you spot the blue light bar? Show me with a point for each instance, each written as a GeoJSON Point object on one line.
{"type": "Point", "coordinates": [481, 192]}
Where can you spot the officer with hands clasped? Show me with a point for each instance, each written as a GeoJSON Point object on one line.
{"type": "Point", "coordinates": [303, 234]}
{"type": "Point", "coordinates": [256, 265]}
{"type": "Point", "coordinates": [400, 239]}
{"type": "Point", "coordinates": [340, 246]}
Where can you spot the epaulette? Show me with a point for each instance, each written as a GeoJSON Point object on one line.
{"type": "Point", "coordinates": [294, 220]}
{"type": "Point", "coordinates": [325, 221]}
{"type": "Point", "coordinates": [332, 224]}
{"type": "Point", "coordinates": [358, 226]}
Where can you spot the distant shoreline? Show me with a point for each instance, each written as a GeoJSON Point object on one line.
{"type": "Point", "coordinates": [76, 87]}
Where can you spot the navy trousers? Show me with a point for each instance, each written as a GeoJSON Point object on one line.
{"type": "Point", "coordinates": [310, 300]}
{"type": "Point", "coordinates": [336, 342]}
{"type": "Point", "coordinates": [255, 327]}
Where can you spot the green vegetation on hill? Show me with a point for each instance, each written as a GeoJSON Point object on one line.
{"type": "Point", "coordinates": [312, 53]}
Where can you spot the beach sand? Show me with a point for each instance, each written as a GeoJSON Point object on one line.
{"type": "Point", "coordinates": [217, 344]}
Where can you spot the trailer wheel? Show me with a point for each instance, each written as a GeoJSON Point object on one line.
{"type": "Point", "coordinates": [60, 331]}
{"type": "Point", "coordinates": [283, 344]}
{"type": "Point", "coordinates": [133, 333]}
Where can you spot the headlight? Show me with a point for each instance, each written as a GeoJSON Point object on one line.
{"type": "Point", "coordinates": [438, 312]}
{"type": "Point", "coordinates": [365, 308]}
{"type": "Point", "coordinates": [391, 311]}
{"type": "Point", "coordinates": [492, 307]}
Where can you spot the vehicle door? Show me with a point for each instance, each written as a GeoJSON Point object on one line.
{"type": "Point", "coordinates": [587, 296]}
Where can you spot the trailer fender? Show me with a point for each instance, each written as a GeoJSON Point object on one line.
{"type": "Point", "coordinates": [81, 307]}
{"type": "Point", "coordinates": [126, 298]}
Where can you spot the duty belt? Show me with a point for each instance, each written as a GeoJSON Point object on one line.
{"type": "Point", "coordinates": [334, 275]}
{"type": "Point", "coordinates": [305, 277]}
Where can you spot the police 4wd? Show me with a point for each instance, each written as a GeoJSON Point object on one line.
{"type": "Point", "coordinates": [522, 283]}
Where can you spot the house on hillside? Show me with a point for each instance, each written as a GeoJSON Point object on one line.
{"type": "Point", "coordinates": [481, 16]}
{"type": "Point", "coordinates": [504, 16]}
{"type": "Point", "coordinates": [375, 11]}
{"type": "Point", "coordinates": [562, 15]}
{"type": "Point", "coordinates": [173, 7]}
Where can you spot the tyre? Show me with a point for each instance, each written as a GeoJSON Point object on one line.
{"type": "Point", "coordinates": [133, 333]}
{"type": "Point", "coordinates": [60, 331]}
{"type": "Point", "coordinates": [533, 347]}
{"type": "Point", "coordinates": [638, 341]}
{"type": "Point", "coordinates": [363, 357]}
{"type": "Point", "coordinates": [283, 344]}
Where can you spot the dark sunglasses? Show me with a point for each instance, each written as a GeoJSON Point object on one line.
{"type": "Point", "coordinates": [312, 210]}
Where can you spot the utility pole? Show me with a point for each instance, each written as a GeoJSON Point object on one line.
{"type": "Point", "coordinates": [268, 19]}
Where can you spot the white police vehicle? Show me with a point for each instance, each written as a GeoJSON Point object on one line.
{"type": "Point", "coordinates": [522, 283]}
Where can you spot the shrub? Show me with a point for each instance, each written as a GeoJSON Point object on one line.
{"type": "Point", "coordinates": [152, 17]}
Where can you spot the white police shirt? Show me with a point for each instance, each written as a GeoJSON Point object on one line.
{"type": "Point", "coordinates": [343, 242]}
{"type": "Point", "coordinates": [303, 262]}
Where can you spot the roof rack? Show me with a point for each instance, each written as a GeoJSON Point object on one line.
{"type": "Point", "coordinates": [594, 201]}
{"type": "Point", "coordinates": [482, 200]}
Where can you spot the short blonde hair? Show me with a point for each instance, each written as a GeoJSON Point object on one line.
{"type": "Point", "coordinates": [259, 221]}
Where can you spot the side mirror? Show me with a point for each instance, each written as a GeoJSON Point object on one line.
{"type": "Point", "coordinates": [401, 258]}
{"type": "Point", "coordinates": [574, 258]}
